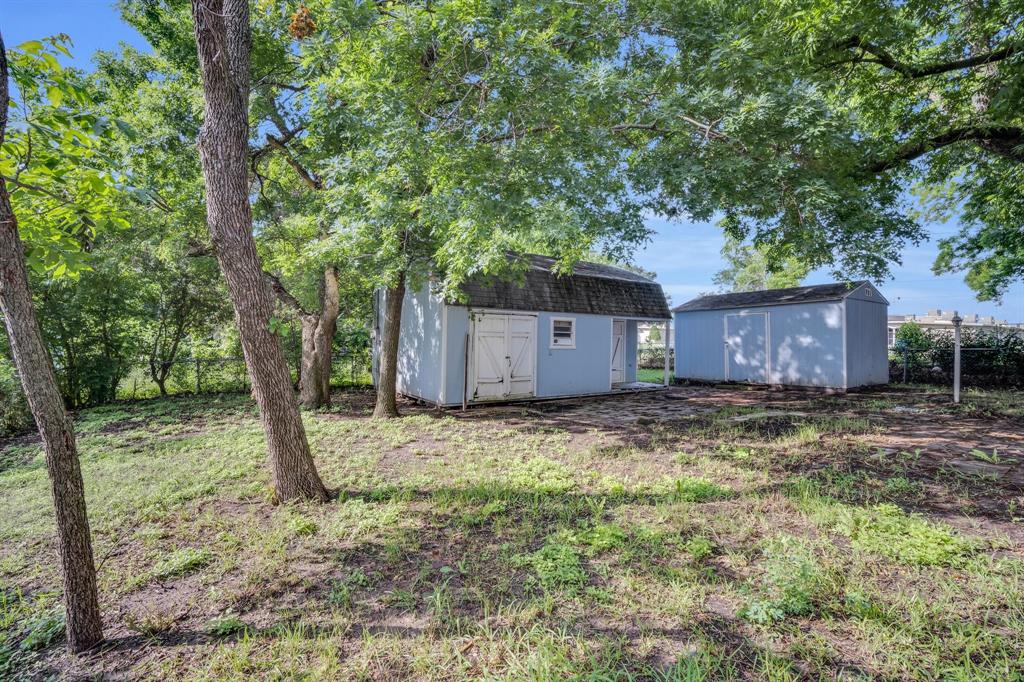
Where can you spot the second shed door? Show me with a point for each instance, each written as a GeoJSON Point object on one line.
{"type": "Point", "coordinates": [504, 356]}
{"type": "Point", "coordinates": [746, 347]}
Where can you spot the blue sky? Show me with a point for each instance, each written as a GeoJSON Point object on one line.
{"type": "Point", "coordinates": [685, 255]}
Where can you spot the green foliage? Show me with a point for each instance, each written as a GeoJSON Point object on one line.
{"type": "Point", "coordinates": [790, 585]}
{"type": "Point", "coordinates": [449, 135]}
{"type": "Point", "coordinates": [540, 475]}
{"type": "Point", "coordinates": [601, 537]}
{"type": "Point", "coordinates": [908, 538]}
{"type": "Point", "coordinates": [55, 159]}
{"type": "Point", "coordinates": [912, 335]}
{"type": "Point", "coordinates": [748, 268]}
{"type": "Point", "coordinates": [43, 632]}
{"type": "Point", "coordinates": [181, 562]}
{"type": "Point", "coordinates": [699, 547]}
{"type": "Point", "coordinates": [805, 123]}
{"type": "Point", "coordinates": [14, 413]}
{"type": "Point", "coordinates": [690, 489]}
{"type": "Point", "coordinates": [557, 564]}
{"type": "Point", "coordinates": [225, 626]}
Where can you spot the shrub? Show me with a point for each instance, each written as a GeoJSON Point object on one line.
{"type": "Point", "coordinates": [14, 413]}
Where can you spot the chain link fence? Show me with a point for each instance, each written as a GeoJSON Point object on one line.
{"type": "Point", "coordinates": [980, 367]}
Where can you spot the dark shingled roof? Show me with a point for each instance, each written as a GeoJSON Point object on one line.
{"type": "Point", "coordinates": [749, 299]}
{"type": "Point", "coordinates": [591, 288]}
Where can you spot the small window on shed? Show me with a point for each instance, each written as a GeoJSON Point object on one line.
{"type": "Point", "coordinates": [563, 332]}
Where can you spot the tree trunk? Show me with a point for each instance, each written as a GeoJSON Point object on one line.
{"type": "Point", "coordinates": [387, 372]}
{"type": "Point", "coordinates": [223, 43]}
{"type": "Point", "coordinates": [310, 387]}
{"type": "Point", "coordinates": [74, 544]}
{"type": "Point", "coordinates": [329, 310]}
{"type": "Point", "coordinates": [317, 338]}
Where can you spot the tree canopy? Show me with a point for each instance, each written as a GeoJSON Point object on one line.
{"type": "Point", "coordinates": [809, 125]}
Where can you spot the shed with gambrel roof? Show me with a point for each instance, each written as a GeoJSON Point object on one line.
{"type": "Point", "coordinates": [542, 334]}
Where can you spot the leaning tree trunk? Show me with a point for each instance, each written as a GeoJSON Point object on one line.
{"type": "Point", "coordinates": [387, 371]}
{"type": "Point", "coordinates": [223, 43]}
{"type": "Point", "coordinates": [74, 544]}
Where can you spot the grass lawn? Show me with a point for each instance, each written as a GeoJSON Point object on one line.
{"type": "Point", "coordinates": [699, 534]}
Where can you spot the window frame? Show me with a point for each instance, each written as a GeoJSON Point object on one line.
{"type": "Point", "coordinates": [571, 344]}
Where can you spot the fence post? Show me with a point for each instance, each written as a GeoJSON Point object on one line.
{"type": "Point", "coordinates": [198, 385]}
{"type": "Point", "coordinates": [957, 320]}
{"type": "Point", "coordinates": [906, 360]}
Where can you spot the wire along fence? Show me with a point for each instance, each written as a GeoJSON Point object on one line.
{"type": "Point", "coordinates": [202, 375]}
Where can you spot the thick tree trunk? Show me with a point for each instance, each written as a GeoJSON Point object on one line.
{"type": "Point", "coordinates": [317, 339]}
{"type": "Point", "coordinates": [387, 372]}
{"type": "Point", "coordinates": [223, 42]}
{"type": "Point", "coordinates": [74, 544]}
{"type": "Point", "coordinates": [330, 308]}
{"type": "Point", "coordinates": [310, 387]}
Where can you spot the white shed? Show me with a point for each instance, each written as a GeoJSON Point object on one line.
{"type": "Point", "coordinates": [829, 336]}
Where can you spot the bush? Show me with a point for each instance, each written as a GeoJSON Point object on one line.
{"type": "Point", "coordinates": [14, 412]}
{"type": "Point", "coordinates": [987, 359]}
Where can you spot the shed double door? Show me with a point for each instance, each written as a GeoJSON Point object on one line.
{"type": "Point", "coordinates": [746, 347]}
{"type": "Point", "coordinates": [504, 356]}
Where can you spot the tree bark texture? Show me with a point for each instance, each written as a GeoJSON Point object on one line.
{"type": "Point", "coordinates": [74, 544]}
{"type": "Point", "coordinates": [223, 43]}
{"type": "Point", "coordinates": [387, 372]}
{"type": "Point", "coordinates": [317, 339]}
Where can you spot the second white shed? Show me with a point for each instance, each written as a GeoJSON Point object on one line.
{"type": "Point", "coordinates": [828, 336]}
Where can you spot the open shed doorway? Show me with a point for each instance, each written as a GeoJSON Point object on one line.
{"type": "Point", "coordinates": [618, 360]}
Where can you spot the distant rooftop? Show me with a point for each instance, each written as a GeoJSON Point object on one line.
{"type": "Point", "coordinates": [747, 299]}
{"type": "Point", "coordinates": [945, 317]}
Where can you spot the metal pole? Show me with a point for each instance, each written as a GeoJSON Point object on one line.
{"type": "Point", "coordinates": [957, 320]}
{"type": "Point", "coordinates": [666, 353]}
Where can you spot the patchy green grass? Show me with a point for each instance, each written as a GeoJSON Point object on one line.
{"type": "Point", "coordinates": [754, 537]}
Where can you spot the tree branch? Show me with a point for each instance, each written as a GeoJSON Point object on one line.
{"type": "Point", "coordinates": [282, 294]}
{"type": "Point", "coordinates": [884, 58]}
{"type": "Point", "coordinates": [307, 177]}
{"type": "Point", "coordinates": [1007, 141]}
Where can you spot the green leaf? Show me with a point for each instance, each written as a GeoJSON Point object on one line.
{"type": "Point", "coordinates": [31, 46]}
{"type": "Point", "coordinates": [55, 95]}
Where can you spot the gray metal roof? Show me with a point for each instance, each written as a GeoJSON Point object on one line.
{"type": "Point", "coordinates": [592, 288]}
{"type": "Point", "coordinates": [749, 299]}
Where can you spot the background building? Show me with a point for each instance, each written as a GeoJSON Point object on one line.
{"type": "Point", "coordinates": [943, 320]}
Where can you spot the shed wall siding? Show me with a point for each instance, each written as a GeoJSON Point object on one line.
{"type": "Point", "coordinates": [867, 357]}
{"type": "Point", "coordinates": [458, 330]}
{"type": "Point", "coordinates": [805, 342]}
{"type": "Point", "coordinates": [419, 346]}
{"type": "Point", "coordinates": [574, 371]}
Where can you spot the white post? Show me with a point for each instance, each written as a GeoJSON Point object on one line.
{"type": "Point", "coordinates": [666, 350]}
{"type": "Point", "coordinates": [956, 356]}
